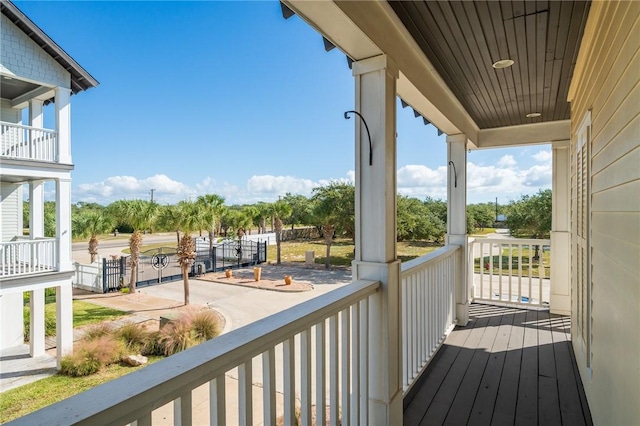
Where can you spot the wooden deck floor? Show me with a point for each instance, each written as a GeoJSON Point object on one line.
{"type": "Point", "coordinates": [506, 367]}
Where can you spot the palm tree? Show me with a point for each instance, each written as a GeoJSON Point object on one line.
{"type": "Point", "coordinates": [279, 210]}
{"type": "Point", "coordinates": [213, 206]}
{"type": "Point", "coordinates": [334, 210]}
{"type": "Point", "coordinates": [186, 255]}
{"type": "Point", "coordinates": [170, 219]}
{"type": "Point", "coordinates": [264, 210]}
{"type": "Point", "coordinates": [91, 223]}
{"type": "Point", "coordinates": [139, 215]}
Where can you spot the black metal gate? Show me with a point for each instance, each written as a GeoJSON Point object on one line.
{"type": "Point", "coordinates": [157, 266]}
{"type": "Point", "coordinates": [161, 264]}
{"type": "Point", "coordinates": [113, 274]}
{"type": "Point", "coordinates": [237, 254]}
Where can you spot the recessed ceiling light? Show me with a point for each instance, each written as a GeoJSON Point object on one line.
{"type": "Point", "coordinates": [503, 63]}
{"type": "Point", "coordinates": [533, 115]}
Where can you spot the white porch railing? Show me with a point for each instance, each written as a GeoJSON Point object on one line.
{"type": "Point", "coordinates": [28, 143]}
{"type": "Point", "coordinates": [512, 271]}
{"type": "Point", "coordinates": [322, 344]}
{"type": "Point", "coordinates": [23, 257]}
{"type": "Point", "coordinates": [428, 308]}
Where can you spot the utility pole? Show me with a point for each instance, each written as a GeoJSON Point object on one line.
{"type": "Point", "coordinates": [496, 207]}
{"type": "Point", "coordinates": [154, 190]}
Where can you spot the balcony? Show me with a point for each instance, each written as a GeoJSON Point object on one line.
{"type": "Point", "coordinates": [314, 361]}
{"type": "Point", "coordinates": [507, 366]}
{"type": "Point", "coordinates": [27, 257]}
{"type": "Point", "coordinates": [28, 143]}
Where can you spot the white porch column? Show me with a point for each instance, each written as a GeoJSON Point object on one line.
{"type": "Point", "coordinates": [560, 302]}
{"type": "Point", "coordinates": [64, 320]}
{"type": "Point", "coordinates": [375, 211]}
{"type": "Point", "coordinates": [63, 224]}
{"type": "Point", "coordinates": [36, 330]}
{"type": "Point", "coordinates": [36, 209]}
{"type": "Point", "coordinates": [36, 118]}
{"type": "Point", "coordinates": [63, 124]}
{"type": "Point", "coordinates": [457, 219]}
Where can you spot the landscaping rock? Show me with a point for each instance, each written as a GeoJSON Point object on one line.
{"type": "Point", "coordinates": [135, 360]}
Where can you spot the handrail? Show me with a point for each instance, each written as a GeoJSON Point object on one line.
{"type": "Point", "coordinates": [22, 126]}
{"type": "Point", "coordinates": [135, 395]}
{"type": "Point", "coordinates": [504, 271]}
{"type": "Point", "coordinates": [27, 256]}
{"type": "Point", "coordinates": [428, 308]}
{"type": "Point", "coordinates": [434, 256]}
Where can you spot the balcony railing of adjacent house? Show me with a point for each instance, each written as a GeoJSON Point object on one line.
{"type": "Point", "coordinates": [512, 271]}
{"type": "Point", "coordinates": [28, 143]}
{"type": "Point", "coordinates": [428, 308]}
{"type": "Point", "coordinates": [321, 346]}
{"type": "Point", "coordinates": [24, 257]}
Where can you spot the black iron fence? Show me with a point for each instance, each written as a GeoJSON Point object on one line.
{"type": "Point", "coordinates": [161, 264]}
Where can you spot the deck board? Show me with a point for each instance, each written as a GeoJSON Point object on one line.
{"type": "Point", "coordinates": [507, 366]}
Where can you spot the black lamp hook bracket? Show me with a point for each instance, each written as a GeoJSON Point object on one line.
{"type": "Point", "coordinates": [455, 174]}
{"type": "Point", "coordinates": [346, 116]}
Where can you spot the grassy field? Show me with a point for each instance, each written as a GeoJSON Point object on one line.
{"type": "Point", "coordinates": [31, 397]}
{"type": "Point", "coordinates": [342, 251]}
{"type": "Point", "coordinates": [84, 313]}
{"type": "Point", "coordinates": [545, 260]}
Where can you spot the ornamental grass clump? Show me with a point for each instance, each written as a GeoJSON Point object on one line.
{"type": "Point", "coordinates": [133, 335]}
{"type": "Point", "coordinates": [176, 336]}
{"type": "Point", "coordinates": [90, 356]}
{"type": "Point", "coordinates": [97, 331]}
{"type": "Point", "coordinates": [204, 325]}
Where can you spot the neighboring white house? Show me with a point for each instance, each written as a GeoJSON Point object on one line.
{"type": "Point", "coordinates": [35, 71]}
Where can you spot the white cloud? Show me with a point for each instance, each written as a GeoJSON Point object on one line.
{"type": "Point", "coordinates": [279, 185]}
{"type": "Point", "coordinates": [507, 161]}
{"type": "Point", "coordinates": [542, 156]}
{"type": "Point", "coordinates": [505, 179]}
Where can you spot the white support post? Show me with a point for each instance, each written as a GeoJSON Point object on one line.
{"type": "Point", "coordinates": [36, 329]}
{"type": "Point", "coordinates": [36, 118]}
{"type": "Point", "coordinates": [63, 224]}
{"type": "Point", "coordinates": [64, 320]}
{"type": "Point", "coordinates": [375, 210]}
{"type": "Point", "coordinates": [63, 124]}
{"type": "Point", "coordinates": [457, 219]}
{"type": "Point", "coordinates": [560, 302]}
{"type": "Point", "coordinates": [36, 209]}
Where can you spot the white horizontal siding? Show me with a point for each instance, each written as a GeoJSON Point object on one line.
{"type": "Point", "coordinates": [10, 211]}
{"type": "Point", "coordinates": [608, 84]}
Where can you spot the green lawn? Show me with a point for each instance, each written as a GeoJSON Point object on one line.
{"type": "Point", "coordinates": [84, 313]}
{"type": "Point", "coordinates": [342, 251]}
{"type": "Point", "coordinates": [545, 259]}
{"type": "Point", "coordinates": [31, 397]}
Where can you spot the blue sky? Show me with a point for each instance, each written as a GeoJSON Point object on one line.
{"type": "Point", "coordinates": [230, 98]}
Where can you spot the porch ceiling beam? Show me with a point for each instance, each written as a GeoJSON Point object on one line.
{"type": "Point", "coordinates": [366, 29]}
{"type": "Point", "coordinates": [525, 134]}
{"type": "Point", "coordinates": [37, 93]}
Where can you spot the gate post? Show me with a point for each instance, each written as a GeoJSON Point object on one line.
{"type": "Point", "coordinates": [104, 275]}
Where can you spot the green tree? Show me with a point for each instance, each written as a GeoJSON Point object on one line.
{"type": "Point", "coordinates": [170, 219]}
{"type": "Point", "coordinates": [334, 210]}
{"type": "Point", "coordinates": [416, 222]}
{"type": "Point", "coordinates": [280, 210]}
{"type": "Point", "coordinates": [213, 206]}
{"type": "Point", "coordinates": [301, 210]}
{"type": "Point", "coordinates": [530, 215]}
{"type": "Point", "coordinates": [91, 223]}
{"type": "Point", "coordinates": [483, 214]}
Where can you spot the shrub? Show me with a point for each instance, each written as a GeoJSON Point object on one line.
{"type": "Point", "coordinates": [133, 335]}
{"type": "Point", "coordinates": [153, 345]}
{"type": "Point", "coordinates": [176, 336]}
{"type": "Point", "coordinates": [97, 331]}
{"type": "Point", "coordinates": [204, 325]}
{"type": "Point", "coordinates": [125, 290]}
{"type": "Point", "coordinates": [90, 356]}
